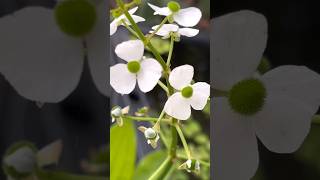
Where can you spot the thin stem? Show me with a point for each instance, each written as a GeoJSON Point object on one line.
{"type": "Point", "coordinates": [161, 172]}
{"type": "Point", "coordinates": [174, 140]}
{"type": "Point", "coordinates": [129, 28]}
{"type": "Point", "coordinates": [170, 51]}
{"type": "Point", "coordinates": [158, 28]}
{"type": "Point", "coordinates": [163, 86]}
{"type": "Point", "coordinates": [142, 37]}
{"type": "Point", "coordinates": [205, 163]}
{"type": "Point", "coordinates": [183, 140]}
{"type": "Point", "coordinates": [53, 175]}
{"type": "Point", "coordinates": [138, 118]}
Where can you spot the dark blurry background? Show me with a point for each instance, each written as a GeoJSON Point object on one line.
{"type": "Point", "coordinates": [81, 120]}
{"type": "Point", "coordinates": [293, 39]}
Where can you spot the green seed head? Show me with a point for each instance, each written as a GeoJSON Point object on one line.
{"type": "Point", "coordinates": [133, 66]}
{"type": "Point", "coordinates": [173, 6]}
{"type": "Point", "coordinates": [75, 17]}
{"type": "Point", "coordinates": [247, 97]}
{"type": "Point", "coordinates": [187, 92]}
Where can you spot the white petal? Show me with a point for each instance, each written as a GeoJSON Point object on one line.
{"type": "Point", "coordinates": [296, 82]}
{"type": "Point", "coordinates": [188, 17]}
{"type": "Point", "coordinates": [133, 10]}
{"type": "Point", "coordinates": [189, 32]}
{"type": "Point", "coordinates": [164, 11]}
{"type": "Point", "coordinates": [130, 50]}
{"type": "Point", "coordinates": [121, 80]}
{"type": "Point", "coordinates": [293, 98]}
{"type": "Point", "coordinates": [135, 18]}
{"type": "Point", "coordinates": [40, 62]}
{"type": "Point", "coordinates": [166, 29]}
{"type": "Point", "coordinates": [97, 51]}
{"type": "Point", "coordinates": [50, 154]}
{"type": "Point", "coordinates": [235, 151]}
{"type": "Point", "coordinates": [113, 27]}
{"type": "Point", "coordinates": [178, 107]}
{"type": "Point", "coordinates": [149, 74]}
{"type": "Point", "coordinates": [181, 76]}
{"type": "Point", "coordinates": [201, 93]}
{"type": "Point", "coordinates": [239, 40]}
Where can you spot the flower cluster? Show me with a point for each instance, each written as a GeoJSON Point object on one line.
{"type": "Point", "coordinates": [148, 72]}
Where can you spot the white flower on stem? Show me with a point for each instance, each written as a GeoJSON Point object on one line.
{"type": "Point", "coordinates": [277, 107]}
{"type": "Point", "coordinates": [117, 113]}
{"type": "Point", "coordinates": [187, 17]}
{"type": "Point", "coordinates": [118, 20]}
{"type": "Point", "coordinates": [42, 50]}
{"type": "Point", "coordinates": [191, 165]}
{"type": "Point", "coordinates": [151, 134]}
{"type": "Point", "coordinates": [189, 95]}
{"type": "Point", "coordinates": [147, 71]}
{"type": "Point", "coordinates": [167, 29]}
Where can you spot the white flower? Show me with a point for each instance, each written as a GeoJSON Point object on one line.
{"type": "Point", "coordinates": [151, 135]}
{"type": "Point", "coordinates": [166, 30]}
{"type": "Point", "coordinates": [187, 17]}
{"type": "Point", "coordinates": [276, 107]}
{"type": "Point", "coordinates": [195, 95]}
{"type": "Point", "coordinates": [118, 21]}
{"type": "Point", "coordinates": [44, 63]}
{"type": "Point", "coordinates": [123, 77]}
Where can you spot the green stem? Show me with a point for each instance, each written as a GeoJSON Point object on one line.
{"type": "Point", "coordinates": [174, 140]}
{"type": "Point", "coordinates": [170, 51]}
{"type": "Point", "coordinates": [161, 172]}
{"type": "Point", "coordinates": [138, 118]}
{"type": "Point", "coordinates": [141, 36]}
{"type": "Point", "coordinates": [163, 86]}
{"type": "Point", "coordinates": [53, 175]}
{"type": "Point", "coordinates": [158, 28]}
{"type": "Point", "coordinates": [183, 140]}
{"type": "Point", "coordinates": [205, 163]}
{"type": "Point", "coordinates": [129, 28]}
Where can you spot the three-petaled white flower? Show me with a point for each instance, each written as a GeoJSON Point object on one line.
{"type": "Point", "coordinates": [276, 107]}
{"type": "Point", "coordinates": [166, 30]}
{"type": "Point", "coordinates": [187, 17]}
{"type": "Point", "coordinates": [42, 51]}
{"type": "Point", "coordinates": [196, 95]}
{"type": "Point", "coordinates": [119, 20]}
{"type": "Point", "coordinates": [146, 71]}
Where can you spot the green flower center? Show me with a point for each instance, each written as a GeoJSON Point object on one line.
{"type": "Point", "coordinates": [75, 17]}
{"type": "Point", "coordinates": [134, 66]}
{"type": "Point", "coordinates": [187, 92]}
{"type": "Point", "coordinates": [247, 96]}
{"type": "Point", "coordinates": [173, 6]}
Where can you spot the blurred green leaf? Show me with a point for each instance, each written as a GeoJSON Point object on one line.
{"type": "Point", "coordinates": [191, 128]}
{"type": "Point", "coordinates": [206, 109]}
{"type": "Point", "coordinates": [201, 139]}
{"type": "Point", "coordinates": [162, 46]}
{"type": "Point", "coordinates": [122, 151]}
{"type": "Point", "coordinates": [149, 164]}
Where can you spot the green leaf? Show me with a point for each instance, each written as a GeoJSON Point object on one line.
{"type": "Point", "coordinates": [122, 151]}
{"type": "Point", "coordinates": [149, 164]}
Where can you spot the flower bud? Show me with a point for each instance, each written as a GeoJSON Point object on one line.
{"type": "Point", "coordinates": [20, 160]}
{"type": "Point", "coordinates": [173, 6]}
{"type": "Point", "coordinates": [150, 133]}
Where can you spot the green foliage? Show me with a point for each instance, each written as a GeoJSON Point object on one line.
{"type": "Point", "coordinates": [122, 151]}
{"type": "Point", "coordinates": [149, 164]}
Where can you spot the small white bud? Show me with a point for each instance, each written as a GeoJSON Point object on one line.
{"type": "Point", "coordinates": [116, 112]}
{"type": "Point", "coordinates": [150, 133]}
